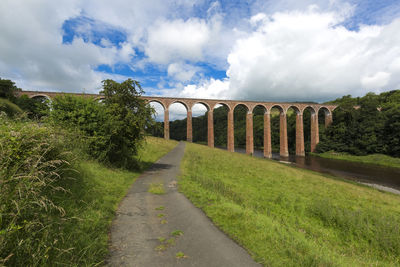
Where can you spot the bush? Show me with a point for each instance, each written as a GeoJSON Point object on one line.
{"type": "Point", "coordinates": [33, 165]}
{"type": "Point", "coordinates": [9, 108]}
{"type": "Point", "coordinates": [115, 129]}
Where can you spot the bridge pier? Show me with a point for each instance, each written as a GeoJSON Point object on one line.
{"type": "Point", "coordinates": [284, 151]}
{"type": "Point", "coordinates": [328, 119]}
{"type": "Point", "coordinates": [249, 134]}
{"type": "Point", "coordinates": [267, 135]}
{"type": "Point", "coordinates": [299, 135]}
{"type": "Point", "coordinates": [210, 128]}
{"type": "Point", "coordinates": [314, 131]}
{"type": "Point", "coordinates": [166, 123]}
{"type": "Point", "coordinates": [231, 132]}
{"type": "Point", "coordinates": [189, 129]}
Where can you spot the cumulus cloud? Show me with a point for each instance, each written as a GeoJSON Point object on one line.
{"type": "Point", "coordinates": [177, 40]}
{"type": "Point", "coordinates": [308, 56]}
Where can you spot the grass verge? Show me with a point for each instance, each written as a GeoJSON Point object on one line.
{"type": "Point", "coordinates": [375, 159]}
{"type": "Point", "coordinates": [286, 216]}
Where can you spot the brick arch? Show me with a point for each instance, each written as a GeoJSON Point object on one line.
{"type": "Point", "coordinates": [223, 104]}
{"type": "Point", "coordinates": [258, 105]}
{"type": "Point", "coordinates": [204, 103]}
{"type": "Point", "coordinates": [180, 102]}
{"type": "Point", "coordinates": [313, 109]}
{"type": "Point", "coordinates": [281, 108]}
{"type": "Point", "coordinates": [296, 108]}
{"type": "Point", "coordinates": [241, 104]}
{"type": "Point", "coordinates": [327, 114]}
{"type": "Point", "coordinates": [40, 95]}
{"type": "Point", "coordinates": [324, 109]}
{"type": "Point", "coordinates": [156, 101]}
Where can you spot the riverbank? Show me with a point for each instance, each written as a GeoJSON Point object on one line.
{"type": "Point", "coordinates": [374, 159]}
{"type": "Point", "coordinates": [287, 216]}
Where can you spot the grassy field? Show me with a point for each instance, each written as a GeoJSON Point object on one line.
{"type": "Point", "coordinates": [286, 216]}
{"type": "Point", "coordinates": [92, 203]}
{"type": "Point", "coordinates": [376, 159]}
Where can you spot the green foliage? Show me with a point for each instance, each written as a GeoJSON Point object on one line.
{"type": "Point", "coordinates": [8, 89]}
{"type": "Point", "coordinates": [9, 108]}
{"type": "Point", "coordinates": [85, 117]}
{"type": "Point", "coordinates": [371, 128]}
{"type": "Point", "coordinates": [36, 108]}
{"type": "Point", "coordinates": [129, 115]}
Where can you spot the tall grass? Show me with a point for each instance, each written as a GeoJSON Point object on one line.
{"type": "Point", "coordinates": [292, 217]}
{"type": "Point", "coordinates": [32, 166]}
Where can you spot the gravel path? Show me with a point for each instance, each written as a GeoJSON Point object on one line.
{"type": "Point", "coordinates": [142, 233]}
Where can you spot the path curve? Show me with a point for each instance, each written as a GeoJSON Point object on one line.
{"type": "Point", "coordinates": [138, 227]}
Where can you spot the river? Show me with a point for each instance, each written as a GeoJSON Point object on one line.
{"type": "Point", "coordinates": [383, 178]}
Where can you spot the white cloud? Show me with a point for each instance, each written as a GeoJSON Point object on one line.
{"type": "Point", "coordinates": [177, 40]}
{"type": "Point", "coordinates": [182, 72]}
{"type": "Point", "coordinates": [306, 56]}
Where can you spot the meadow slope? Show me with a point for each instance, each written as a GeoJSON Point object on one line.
{"type": "Point", "coordinates": [285, 216]}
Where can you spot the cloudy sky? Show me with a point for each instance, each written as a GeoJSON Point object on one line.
{"type": "Point", "coordinates": [289, 50]}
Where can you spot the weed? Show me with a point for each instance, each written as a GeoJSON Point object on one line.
{"type": "Point", "coordinates": [160, 215]}
{"type": "Point", "coordinates": [180, 255]}
{"type": "Point", "coordinates": [160, 208]}
{"type": "Point", "coordinates": [161, 239]}
{"type": "Point", "coordinates": [156, 188]}
{"type": "Point", "coordinates": [163, 222]}
{"type": "Point", "coordinates": [177, 233]}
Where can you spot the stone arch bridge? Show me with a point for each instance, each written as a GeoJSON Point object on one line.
{"type": "Point", "coordinates": [210, 104]}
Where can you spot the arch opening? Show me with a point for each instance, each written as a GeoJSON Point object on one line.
{"type": "Point", "coordinates": [157, 129]}
{"type": "Point", "coordinates": [220, 123]}
{"type": "Point", "coordinates": [178, 121]}
{"type": "Point", "coordinates": [199, 123]}
{"type": "Point", "coordinates": [239, 125]}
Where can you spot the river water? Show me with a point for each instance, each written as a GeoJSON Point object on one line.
{"type": "Point", "coordinates": [384, 178]}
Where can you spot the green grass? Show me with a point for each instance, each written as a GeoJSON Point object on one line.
{"type": "Point", "coordinates": [375, 159]}
{"type": "Point", "coordinates": [92, 203]}
{"type": "Point", "coordinates": [285, 216]}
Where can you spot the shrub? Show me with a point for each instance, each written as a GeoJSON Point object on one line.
{"type": "Point", "coordinates": [114, 129]}
{"type": "Point", "coordinates": [9, 108]}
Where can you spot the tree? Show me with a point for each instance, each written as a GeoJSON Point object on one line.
{"type": "Point", "coordinates": [8, 89]}
{"type": "Point", "coordinates": [130, 115]}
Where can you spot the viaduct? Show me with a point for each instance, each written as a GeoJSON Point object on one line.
{"type": "Point", "coordinates": [210, 104]}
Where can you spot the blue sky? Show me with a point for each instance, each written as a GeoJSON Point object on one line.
{"type": "Point", "coordinates": [291, 50]}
